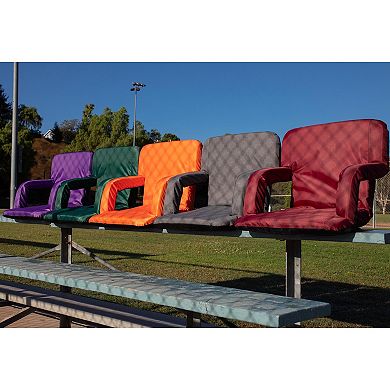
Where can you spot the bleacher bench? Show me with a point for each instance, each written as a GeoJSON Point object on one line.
{"type": "Point", "coordinates": [253, 307]}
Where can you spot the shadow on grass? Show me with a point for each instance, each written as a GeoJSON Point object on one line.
{"type": "Point", "coordinates": [351, 303]}
{"type": "Point", "coordinates": [48, 245]}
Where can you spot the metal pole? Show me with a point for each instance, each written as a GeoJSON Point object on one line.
{"type": "Point", "coordinates": [374, 209]}
{"type": "Point", "coordinates": [66, 257]}
{"type": "Point", "coordinates": [293, 268]}
{"type": "Point", "coordinates": [135, 120]}
{"type": "Point", "coordinates": [14, 149]}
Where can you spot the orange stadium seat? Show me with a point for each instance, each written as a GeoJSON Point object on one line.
{"type": "Point", "coordinates": [157, 164]}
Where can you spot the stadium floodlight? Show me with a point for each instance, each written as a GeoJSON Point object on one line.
{"type": "Point", "coordinates": [136, 88]}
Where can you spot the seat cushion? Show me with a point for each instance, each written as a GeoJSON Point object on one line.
{"type": "Point", "coordinates": [28, 212]}
{"type": "Point", "coordinates": [136, 216]}
{"type": "Point", "coordinates": [76, 214]}
{"type": "Point", "coordinates": [205, 216]}
{"type": "Point", "coordinates": [302, 218]}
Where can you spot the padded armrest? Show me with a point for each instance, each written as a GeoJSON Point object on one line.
{"type": "Point", "coordinates": [112, 188]}
{"type": "Point", "coordinates": [175, 186]}
{"type": "Point", "coordinates": [63, 192]}
{"type": "Point", "coordinates": [347, 196]}
{"type": "Point", "coordinates": [239, 191]}
{"type": "Point", "coordinates": [22, 194]}
{"type": "Point", "coordinates": [258, 182]}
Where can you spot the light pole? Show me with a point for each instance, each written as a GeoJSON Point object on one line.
{"type": "Point", "coordinates": [14, 147]}
{"type": "Point", "coordinates": [136, 88]}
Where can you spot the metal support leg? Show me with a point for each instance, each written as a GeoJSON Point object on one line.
{"type": "Point", "coordinates": [80, 249]}
{"type": "Point", "coordinates": [56, 248]}
{"type": "Point", "coordinates": [193, 320]}
{"type": "Point", "coordinates": [86, 252]}
{"type": "Point", "coordinates": [66, 257]}
{"type": "Point", "coordinates": [293, 268]}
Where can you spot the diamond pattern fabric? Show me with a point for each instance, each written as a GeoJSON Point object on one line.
{"type": "Point", "coordinates": [228, 161]}
{"type": "Point", "coordinates": [215, 216]}
{"type": "Point", "coordinates": [64, 166]}
{"type": "Point", "coordinates": [228, 156]}
{"type": "Point", "coordinates": [333, 167]}
{"type": "Point", "coordinates": [108, 163]}
{"type": "Point", "coordinates": [157, 163]}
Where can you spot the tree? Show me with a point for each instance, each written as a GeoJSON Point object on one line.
{"type": "Point", "coordinates": [111, 128]}
{"type": "Point", "coordinates": [167, 137]}
{"type": "Point", "coordinates": [119, 128]}
{"type": "Point", "coordinates": [79, 143]}
{"type": "Point", "coordinates": [57, 135]}
{"type": "Point", "coordinates": [383, 192]}
{"type": "Point", "coordinates": [5, 108]}
{"type": "Point", "coordinates": [30, 119]}
{"type": "Point", "coordinates": [25, 138]}
{"type": "Point", "coordinates": [155, 136]}
{"type": "Point", "coordinates": [69, 128]}
{"type": "Point", "coordinates": [104, 130]}
{"type": "Point", "coordinates": [29, 124]}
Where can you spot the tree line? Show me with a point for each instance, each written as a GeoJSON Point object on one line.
{"type": "Point", "coordinates": [92, 131]}
{"type": "Point", "coordinates": [107, 129]}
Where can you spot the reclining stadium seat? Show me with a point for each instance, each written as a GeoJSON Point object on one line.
{"type": "Point", "coordinates": [107, 163]}
{"type": "Point", "coordinates": [157, 164]}
{"type": "Point", "coordinates": [64, 166]}
{"type": "Point", "coordinates": [333, 168]}
{"type": "Point", "coordinates": [227, 163]}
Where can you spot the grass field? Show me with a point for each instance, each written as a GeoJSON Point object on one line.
{"type": "Point", "coordinates": [354, 278]}
{"type": "Point", "coordinates": [383, 218]}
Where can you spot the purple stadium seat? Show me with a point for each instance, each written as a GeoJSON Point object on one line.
{"type": "Point", "coordinates": [64, 167]}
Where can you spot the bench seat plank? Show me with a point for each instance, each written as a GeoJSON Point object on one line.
{"type": "Point", "coordinates": [260, 308]}
{"type": "Point", "coordinates": [87, 309]}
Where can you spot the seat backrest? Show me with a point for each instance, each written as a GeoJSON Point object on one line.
{"type": "Point", "coordinates": [165, 159]}
{"type": "Point", "coordinates": [67, 166]}
{"type": "Point", "coordinates": [111, 163]}
{"type": "Point", "coordinates": [226, 157]}
{"type": "Point", "coordinates": [318, 154]}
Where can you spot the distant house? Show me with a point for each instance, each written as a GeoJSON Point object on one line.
{"type": "Point", "coordinates": [49, 135]}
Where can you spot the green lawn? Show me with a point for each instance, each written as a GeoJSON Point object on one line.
{"type": "Point", "coordinates": [383, 218]}
{"type": "Point", "coordinates": [354, 278]}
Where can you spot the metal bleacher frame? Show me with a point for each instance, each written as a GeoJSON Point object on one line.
{"type": "Point", "coordinates": [293, 255]}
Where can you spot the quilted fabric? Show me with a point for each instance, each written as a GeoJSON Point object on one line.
{"type": "Point", "coordinates": [175, 188]}
{"type": "Point", "coordinates": [75, 214]}
{"type": "Point", "coordinates": [68, 166]}
{"type": "Point", "coordinates": [298, 218]}
{"type": "Point", "coordinates": [157, 163]}
{"type": "Point", "coordinates": [64, 166]}
{"type": "Point", "coordinates": [228, 156]}
{"type": "Point", "coordinates": [333, 168]}
{"type": "Point", "coordinates": [318, 154]}
{"type": "Point", "coordinates": [228, 161]}
{"type": "Point", "coordinates": [205, 216]}
{"type": "Point", "coordinates": [107, 163]}
{"type": "Point", "coordinates": [23, 193]}
{"type": "Point", "coordinates": [28, 212]}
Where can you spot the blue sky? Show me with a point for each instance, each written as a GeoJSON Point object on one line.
{"type": "Point", "coordinates": [198, 100]}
